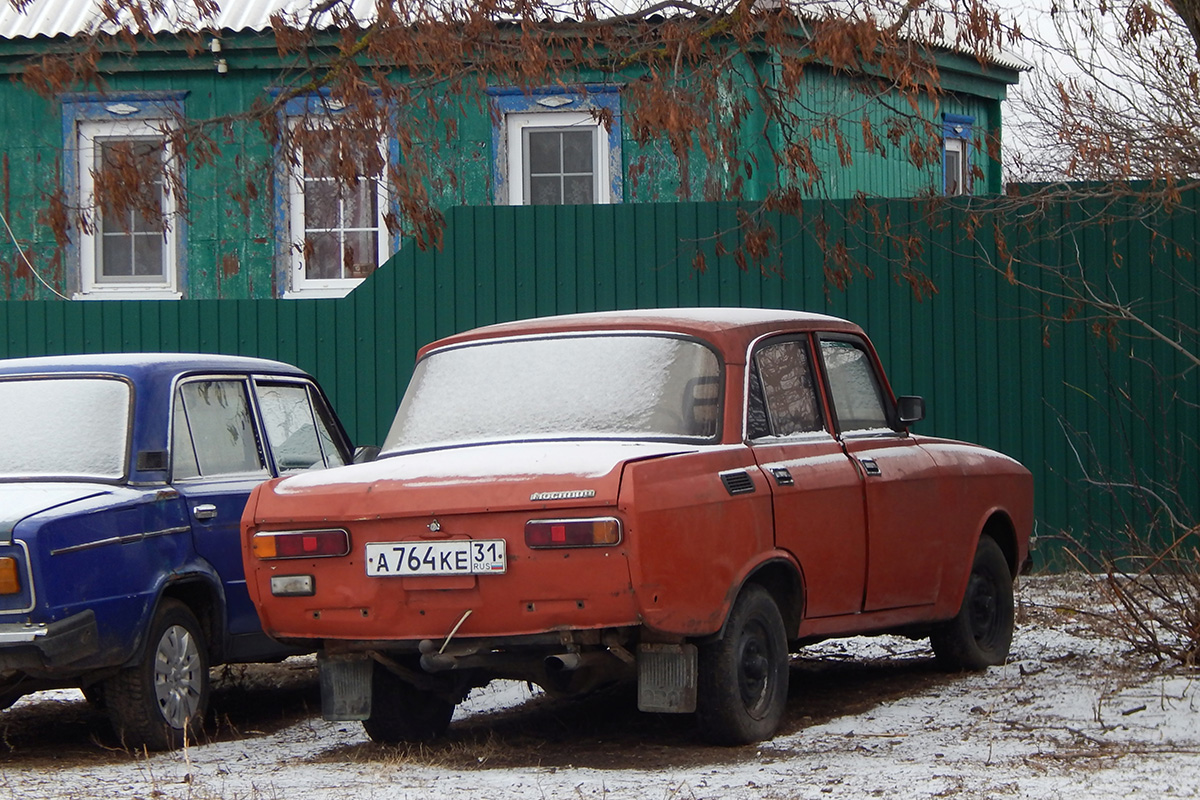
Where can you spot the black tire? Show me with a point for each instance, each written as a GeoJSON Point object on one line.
{"type": "Point", "coordinates": [743, 676]}
{"type": "Point", "coordinates": [980, 635]}
{"type": "Point", "coordinates": [160, 702]}
{"type": "Point", "coordinates": [400, 712]}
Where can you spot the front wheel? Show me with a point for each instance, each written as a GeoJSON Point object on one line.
{"type": "Point", "coordinates": [980, 635]}
{"type": "Point", "coordinates": [743, 681]}
{"type": "Point", "coordinates": [160, 702]}
{"type": "Point", "coordinates": [400, 712]}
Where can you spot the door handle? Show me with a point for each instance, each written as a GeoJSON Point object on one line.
{"type": "Point", "coordinates": [870, 467]}
{"type": "Point", "coordinates": [205, 511]}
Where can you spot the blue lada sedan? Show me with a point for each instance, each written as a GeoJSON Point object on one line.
{"type": "Point", "coordinates": [122, 483]}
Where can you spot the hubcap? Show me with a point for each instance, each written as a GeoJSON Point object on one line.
{"type": "Point", "coordinates": [754, 669]}
{"type": "Point", "coordinates": [177, 678]}
{"type": "Point", "coordinates": [984, 608]}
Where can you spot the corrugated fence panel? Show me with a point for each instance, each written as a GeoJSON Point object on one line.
{"type": "Point", "coordinates": [989, 356]}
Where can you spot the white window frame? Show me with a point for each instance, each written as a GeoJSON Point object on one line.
{"type": "Point", "coordinates": [956, 148]}
{"type": "Point", "coordinates": [514, 110]}
{"type": "Point", "coordinates": [298, 283]}
{"type": "Point", "coordinates": [517, 124]}
{"type": "Point", "coordinates": [956, 141]}
{"type": "Point", "coordinates": [89, 133]}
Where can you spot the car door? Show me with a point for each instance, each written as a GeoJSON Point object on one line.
{"type": "Point", "coordinates": [816, 491]}
{"type": "Point", "coordinates": [905, 533]}
{"type": "Point", "coordinates": [217, 458]}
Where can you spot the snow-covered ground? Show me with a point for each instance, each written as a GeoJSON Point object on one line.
{"type": "Point", "coordinates": [1071, 716]}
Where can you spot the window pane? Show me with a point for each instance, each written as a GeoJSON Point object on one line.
{"type": "Point", "coordinates": [334, 457]}
{"type": "Point", "coordinates": [183, 452]}
{"type": "Point", "coordinates": [322, 256]}
{"type": "Point", "coordinates": [791, 397]}
{"type": "Point", "coordinates": [543, 156]}
{"type": "Point", "coordinates": [218, 415]}
{"type": "Point", "coordinates": [131, 181]}
{"type": "Point", "coordinates": [577, 189]}
{"type": "Point", "coordinates": [560, 166]}
{"type": "Point", "coordinates": [603, 385]}
{"type": "Point", "coordinates": [148, 255]}
{"type": "Point", "coordinates": [320, 205]}
{"type": "Point", "coordinates": [361, 206]}
{"type": "Point", "coordinates": [316, 159]}
{"type": "Point", "coordinates": [577, 151]}
{"type": "Point", "coordinates": [359, 254]}
{"type": "Point", "coordinates": [857, 399]}
{"type": "Point", "coordinates": [545, 191]}
{"type": "Point", "coordinates": [291, 429]}
{"type": "Point", "coordinates": [64, 427]}
{"type": "Point", "coordinates": [154, 198]}
{"type": "Point", "coordinates": [116, 255]}
{"type": "Point", "coordinates": [953, 165]}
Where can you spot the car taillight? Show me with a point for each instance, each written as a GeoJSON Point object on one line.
{"type": "Point", "coordinates": [10, 580]}
{"type": "Point", "coordinates": [602, 532]}
{"type": "Point", "coordinates": [300, 544]}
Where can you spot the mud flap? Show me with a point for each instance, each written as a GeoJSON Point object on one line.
{"type": "Point", "coordinates": [667, 678]}
{"type": "Point", "coordinates": [345, 686]}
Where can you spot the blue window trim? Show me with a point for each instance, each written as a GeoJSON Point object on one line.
{"type": "Point", "coordinates": [957, 126]}
{"type": "Point", "coordinates": [317, 102]}
{"type": "Point", "coordinates": [87, 107]}
{"type": "Point", "coordinates": [503, 101]}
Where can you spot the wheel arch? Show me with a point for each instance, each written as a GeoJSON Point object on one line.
{"type": "Point", "coordinates": [783, 581]}
{"type": "Point", "coordinates": [204, 599]}
{"type": "Point", "coordinates": [999, 526]}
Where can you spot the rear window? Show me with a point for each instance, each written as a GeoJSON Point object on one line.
{"type": "Point", "coordinates": [76, 427]}
{"type": "Point", "coordinates": [621, 386]}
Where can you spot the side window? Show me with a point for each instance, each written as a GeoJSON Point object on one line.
{"type": "Point", "coordinates": [783, 397]}
{"type": "Point", "coordinates": [857, 397]}
{"type": "Point", "coordinates": [213, 431]}
{"type": "Point", "coordinates": [298, 427]}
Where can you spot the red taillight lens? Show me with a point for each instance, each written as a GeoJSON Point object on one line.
{"type": "Point", "coordinates": [603, 532]}
{"type": "Point", "coordinates": [300, 544]}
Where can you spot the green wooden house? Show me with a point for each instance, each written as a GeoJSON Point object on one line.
{"type": "Point", "coordinates": [247, 222]}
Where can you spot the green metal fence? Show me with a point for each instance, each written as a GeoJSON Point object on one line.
{"type": "Point", "coordinates": [989, 350]}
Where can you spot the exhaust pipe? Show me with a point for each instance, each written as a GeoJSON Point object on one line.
{"type": "Point", "coordinates": [567, 662]}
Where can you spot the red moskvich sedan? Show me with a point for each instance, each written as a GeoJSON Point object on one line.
{"type": "Point", "coordinates": [676, 497]}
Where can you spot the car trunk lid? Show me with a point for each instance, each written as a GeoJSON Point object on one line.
{"type": "Point", "coordinates": [494, 477]}
{"type": "Point", "coordinates": [20, 500]}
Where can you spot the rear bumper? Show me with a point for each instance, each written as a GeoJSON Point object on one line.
{"type": "Point", "coordinates": [48, 648]}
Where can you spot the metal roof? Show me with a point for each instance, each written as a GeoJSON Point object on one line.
{"type": "Point", "coordinates": [73, 17]}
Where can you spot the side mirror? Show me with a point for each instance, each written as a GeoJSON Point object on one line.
{"type": "Point", "coordinates": [910, 409]}
{"type": "Point", "coordinates": [366, 453]}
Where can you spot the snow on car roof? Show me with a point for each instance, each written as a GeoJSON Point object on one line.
{"type": "Point", "coordinates": [141, 362]}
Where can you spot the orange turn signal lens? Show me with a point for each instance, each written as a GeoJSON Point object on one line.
{"type": "Point", "coordinates": [602, 532]}
{"type": "Point", "coordinates": [300, 544]}
{"type": "Point", "coordinates": [10, 579]}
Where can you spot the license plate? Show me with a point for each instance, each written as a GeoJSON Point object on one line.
{"type": "Point", "coordinates": [454, 557]}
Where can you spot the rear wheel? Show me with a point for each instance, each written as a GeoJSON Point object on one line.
{"type": "Point", "coordinates": [743, 680]}
{"type": "Point", "coordinates": [980, 635]}
{"type": "Point", "coordinates": [400, 712]}
{"type": "Point", "coordinates": [160, 702]}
